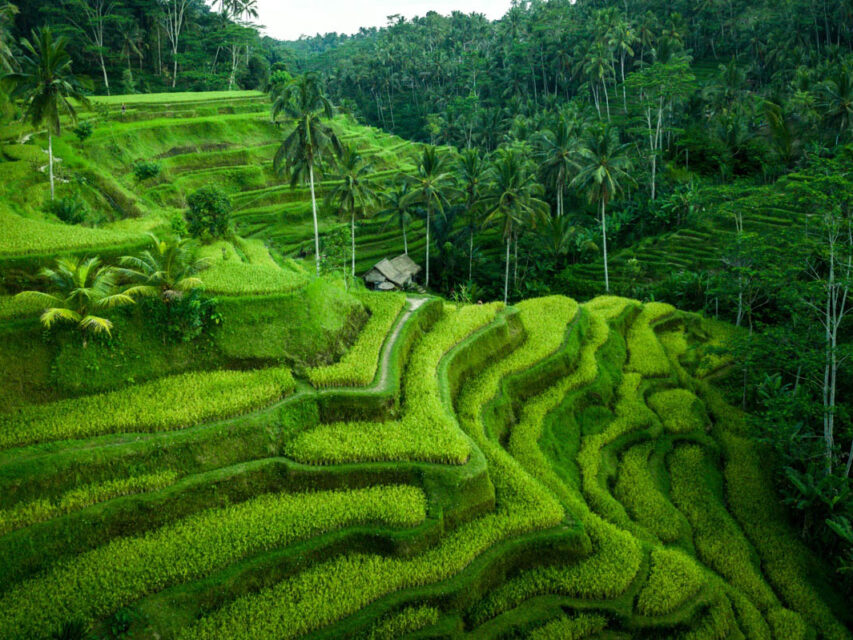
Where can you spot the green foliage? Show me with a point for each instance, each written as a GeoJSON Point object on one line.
{"type": "Point", "coordinates": [358, 367]}
{"type": "Point", "coordinates": [146, 170]}
{"type": "Point", "coordinates": [83, 131]}
{"type": "Point", "coordinates": [209, 214]}
{"type": "Point", "coordinates": [69, 209]}
{"type": "Point", "coordinates": [181, 401]}
{"type": "Point", "coordinates": [195, 547]}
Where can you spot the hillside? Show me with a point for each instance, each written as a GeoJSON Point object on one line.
{"type": "Point", "coordinates": [551, 470]}
{"type": "Point", "coordinates": [329, 462]}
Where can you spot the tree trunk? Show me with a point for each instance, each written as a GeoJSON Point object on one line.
{"type": "Point", "coordinates": [316, 223]}
{"type": "Point", "coordinates": [175, 69]}
{"type": "Point", "coordinates": [50, 160]}
{"type": "Point", "coordinates": [352, 238]}
{"type": "Point", "coordinates": [604, 245]}
{"type": "Point", "coordinates": [506, 272]}
{"type": "Point", "coordinates": [606, 98]}
{"type": "Point", "coordinates": [405, 241]}
{"type": "Point", "coordinates": [515, 269]}
{"type": "Point", "coordinates": [104, 70]}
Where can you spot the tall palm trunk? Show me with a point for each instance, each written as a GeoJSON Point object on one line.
{"type": "Point", "coordinates": [506, 271]}
{"type": "Point", "coordinates": [104, 70]}
{"type": "Point", "coordinates": [50, 160]}
{"type": "Point", "coordinates": [405, 240]}
{"type": "Point", "coordinates": [352, 238]}
{"type": "Point", "coordinates": [314, 212]}
{"type": "Point", "coordinates": [604, 244]}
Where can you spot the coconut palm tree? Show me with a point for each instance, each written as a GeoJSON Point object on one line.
{"type": "Point", "coordinates": [431, 186]}
{"type": "Point", "coordinates": [167, 271]}
{"type": "Point", "coordinates": [77, 289]}
{"type": "Point", "coordinates": [310, 140]}
{"type": "Point", "coordinates": [7, 13]}
{"type": "Point", "coordinates": [558, 149]}
{"type": "Point", "coordinates": [604, 169]}
{"type": "Point", "coordinates": [836, 100]}
{"type": "Point", "coordinates": [46, 86]}
{"type": "Point", "coordinates": [472, 178]}
{"type": "Point", "coordinates": [512, 198]}
{"type": "Point", "coordinates": [399, 210]}
{"type": "Point", "coordinates": [354, 193]}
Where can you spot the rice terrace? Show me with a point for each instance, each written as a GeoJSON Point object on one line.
{"type": "Point", "coordinates": [532, 323]}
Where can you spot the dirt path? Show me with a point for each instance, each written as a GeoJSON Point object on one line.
{"type": "Point", "coordinates": [413, 304]}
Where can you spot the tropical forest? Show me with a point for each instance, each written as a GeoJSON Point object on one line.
{"type": "Point", "coordinates": [477, 321]}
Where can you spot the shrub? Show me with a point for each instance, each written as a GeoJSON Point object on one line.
{"type": "Point", "coordinates": [170, 403]}
{"type": "Point", "coordinates": [97, 583]}
{"type": "Point", "coordinates": [209, 214]}
{"type": "Point", "coordinates": [69, 209]}
{"type": "Point", "coordinates": [145, 170]}
{"type": "Point", "coordinates": [181, 319]}
{"type": "Point", "coordinates": [83, 130]}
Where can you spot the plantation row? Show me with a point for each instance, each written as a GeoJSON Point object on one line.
{"type": "Point", "coordinates": [549, 470]}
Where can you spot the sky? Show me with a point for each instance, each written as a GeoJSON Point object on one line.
{"type": "Point", "coordinates": [288, 20]}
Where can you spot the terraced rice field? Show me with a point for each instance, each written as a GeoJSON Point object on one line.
{"type": "Point", "coordinates": [226, 139]}
{"type": "Point", "coordinates": [552, 470]}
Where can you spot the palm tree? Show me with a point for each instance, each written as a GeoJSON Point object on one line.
{"type": "Point", "coordinates": [77, 289]}
{"type": "Point", "coordinates": [604, 167]}
{"type": "Point", "coordinates": [46, 85]}
{"type": "Point", "coordinates": [167, 271]}
{"type": "Point", "coordinates": [310, 140]}
{"type": "Point", "coordinates": [7, 58]}
{"type": "Point", "coordinates": [512, 196]}
{"type": "Point", "coordinates": [354, 191]}
{"type": "Point", "coordinates": [558, 148]}
{"type": "Point", "coordinates": [431, 187]}
{"type": "Point", "coordinates": [399, 209]}
{"type": "Point", "coordinates": [837, 100]}
{"type": "Point", "coordinates": [622, 38]}
{"type": "Point", "coordinates": [472, 178]}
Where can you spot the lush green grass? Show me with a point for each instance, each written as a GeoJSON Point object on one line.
{"type": "Point", "coordinates": [170, 98]}
{"type": "Point", "coordinates": [175, 402]}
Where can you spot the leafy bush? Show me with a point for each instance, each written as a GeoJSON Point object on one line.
{"type": "Point", "coordinates": [171, 403]}
{"type": "Point", "coordinates": [69, 209]}
{"type": "Point", "coordinates": [145, 170]}
{"type": "Point", "coordinates": [209, 214]}
{"type": "Point", "coordinates": [181, 319]}
{"type": "Point", "coordinates": [24, 515]}
{"type": "Point", "coordinates": [83, 130]}
{"type": "Point", "coordinates": [99, 582]}
{"type": "Point", "coordinates": [358, 367]}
